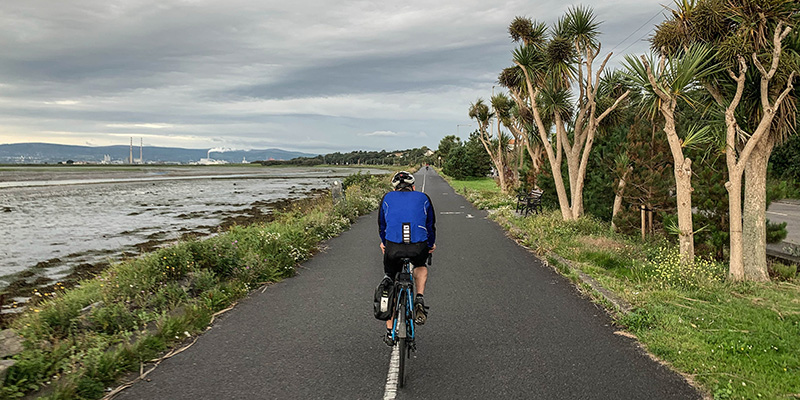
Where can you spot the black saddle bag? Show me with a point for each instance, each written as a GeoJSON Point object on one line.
{"type": "Point", "coordinates": [383, 304]}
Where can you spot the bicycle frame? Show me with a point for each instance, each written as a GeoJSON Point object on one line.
{"type": "Point", "coordinates": [403, 326]}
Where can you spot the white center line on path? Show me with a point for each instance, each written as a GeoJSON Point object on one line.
{"type": "Point", "coordinates": [451, 212]}
{"type": "Point", "coordinates": [424, 178]}
{"type": "Point", "coordinates": [391, 379]}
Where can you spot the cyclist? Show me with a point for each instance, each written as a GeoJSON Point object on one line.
{"type": "Point", "coordinates": [407, 227]}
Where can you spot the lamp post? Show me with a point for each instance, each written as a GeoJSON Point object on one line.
{"type": "Point", "coordinates": [457, 130]}
{"type": "Point", "coordinates": [491, 126]}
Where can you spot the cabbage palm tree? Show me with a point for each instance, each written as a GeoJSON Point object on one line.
{"type": "Point", "coordinates": [551, 66]}
{"type": "Point", "coordinates": [667, 85]}
{"type": "Point", "coordinates": [521, 122]}
{"type": "Point", "coordinates": [480, 112]}
{"type": "Point", "coordinates": [503, 107]}
{"type": "Point", "coordinates": [755, 97]}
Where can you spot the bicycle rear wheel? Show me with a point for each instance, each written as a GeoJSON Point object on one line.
{"type": "Point", "coordinates": [402, 341]}
{"type": "Point", "coordinates": [403, 347]}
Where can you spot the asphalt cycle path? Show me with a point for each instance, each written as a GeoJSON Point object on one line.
{"type": "Point", "coordinates": [501, 326]}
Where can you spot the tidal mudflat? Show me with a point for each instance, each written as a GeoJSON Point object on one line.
{"type": "Point", "coordinates": [65, 223]}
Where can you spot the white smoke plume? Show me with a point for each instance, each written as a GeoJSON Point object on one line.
{"type": "Point", "coordinates": [218, 150]}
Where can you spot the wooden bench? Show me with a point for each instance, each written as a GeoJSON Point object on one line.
{"type": "Point", "coordinates": [530, 202]}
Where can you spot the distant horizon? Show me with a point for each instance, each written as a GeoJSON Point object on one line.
{"type": "Point", "coordinates": [44, 152]}
{"type": "Point", "coordinates": [226, 149]}
{"type": "Point", "coordinates": [176, 147]}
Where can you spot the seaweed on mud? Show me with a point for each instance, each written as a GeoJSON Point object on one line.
{"type": "Point", "coordinates": [48, 264]}
{"type": "Point", "coordinates": [150, 245]}
{"type": "Point", "coordinates": [156, 235]}
{"type": "Point", "coordinates": [193, 235]}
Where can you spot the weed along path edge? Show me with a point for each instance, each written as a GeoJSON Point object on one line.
{"type": "Point", "coordinates": [501, 325]}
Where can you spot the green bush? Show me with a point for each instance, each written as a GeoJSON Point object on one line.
{"type": "Point", "coordinates": [112, 318]}
{"type": "Point", "coordinates": [782, 272]}
{"type": "Point", "coordinates": [789, 188]}
{"type": "Point", "coordinates": [58, 317]}
{"type": "Point", "coordinates": [359, 179]}
{"type": "Point", "coordinates": [175, 262]}
{"type": "Point", "coordinates": [776, 232]}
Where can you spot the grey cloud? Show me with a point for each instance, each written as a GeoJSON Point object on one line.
{"type": "Point", "coordinates": [427, 70]}
{"type": "Point", "coordinates": [229, 73]}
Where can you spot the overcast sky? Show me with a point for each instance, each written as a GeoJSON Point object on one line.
{"type": "Point", "coordinates": [308, 75]}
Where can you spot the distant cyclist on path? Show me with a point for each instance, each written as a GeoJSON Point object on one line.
{"type": "Point", "coordinates": [407, 227]}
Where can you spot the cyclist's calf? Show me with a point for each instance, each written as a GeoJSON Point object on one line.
{"type": "Point", "coordinates": [420, 277]}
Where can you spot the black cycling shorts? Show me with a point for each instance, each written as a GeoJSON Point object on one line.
{"type": "Point", "coordinates": [395, 252]}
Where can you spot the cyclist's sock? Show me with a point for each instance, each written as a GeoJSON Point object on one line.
{"type": "Point", "coordinates": [388, 338]}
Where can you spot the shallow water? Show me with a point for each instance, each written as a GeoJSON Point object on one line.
{"type": "Point", "coordinates": [60, 218]}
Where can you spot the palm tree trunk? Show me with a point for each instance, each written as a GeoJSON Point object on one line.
{"type": "Point", "coordinates": [536, 158]}
{"type": "Point", "coordinates": [618, 197]}
{"type": "Point", "coordinates": [501, 165]}
{"type": "Point", "coordinates": [734, 186]}
{"type": "Point", "coordinates": [683, 183]}
{"type": "Point", "coordinates": [520, 159]}
{"type": "Point", "coordinates": [683, 179]}
{"type": "Point", "coordinates": [554, 157]}
{"type": "Point", "coordinates": [754, 224]}
{"type": "Point", "coordinates": [577, 202]}
{"type": "Point", "coordinates": [561, 191]}
{"type": "Point", "coordinates": [572, 166]}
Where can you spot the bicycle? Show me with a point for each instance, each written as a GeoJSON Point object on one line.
{"type": "Point", "coordinates": [403, 328]}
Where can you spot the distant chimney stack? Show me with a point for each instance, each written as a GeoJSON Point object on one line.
{"type": "Point", "coordinates": [130, 157]}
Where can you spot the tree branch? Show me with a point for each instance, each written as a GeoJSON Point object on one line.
{"type": "Point", "coordinates": [734, 164]}
{"type": "Point", "coordinates": [649, 70]}
{"type": "Point", "coordinates": [600, 71]}
{"type": "Point", "coordinates": [766, 76]}
{"type": "Point", "coordinates": [739, 83]}
{"type": "Point", "coordinates": [608, 110]}
{"type": "Point", "coordinates": [715, 93]}
{"type": "Point", "coordinates": [777, 40]}
{"type": "Point", "coordinates": [786, 91]}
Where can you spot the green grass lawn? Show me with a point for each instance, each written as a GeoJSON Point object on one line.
{"type": "Point", "coordinates": [474, 184]}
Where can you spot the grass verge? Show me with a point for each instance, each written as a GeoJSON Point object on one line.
{"type": "Point", "coordinates": [733, 340]}
{"type": "Point", "coordinates": [80, 341]}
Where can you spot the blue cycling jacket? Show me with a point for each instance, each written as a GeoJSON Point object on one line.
{"type": "Point", "coordinates": [412, 209]}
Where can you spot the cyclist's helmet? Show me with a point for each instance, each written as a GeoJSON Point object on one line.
{"type": "Point", "coordinates": [402, 179]}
